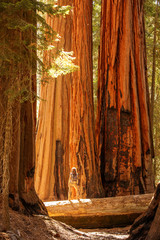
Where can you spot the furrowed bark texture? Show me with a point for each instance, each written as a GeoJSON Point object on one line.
{"type": "Point", "coordinates": [22, 161]}
{"type": "Point", "coordinates": [19, 81]}
{"type": "Point", "coordinates": [146, 227]}
{"type": "Point", "coordinates": [83, 152]}
{"type": "Point", "coordinates": [52, 140]}
{"type": "Point", "coordinates": [123, 128]}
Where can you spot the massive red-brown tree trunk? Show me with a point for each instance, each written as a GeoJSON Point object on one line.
{"type": "Point", "coordinates": [52, 140]}
{"type": "Point", "coordinates": [18, 82]}
{"type": "Point", "coordinates": [123, 122]}
{"type": "Point", "coordinates": [83, 151]}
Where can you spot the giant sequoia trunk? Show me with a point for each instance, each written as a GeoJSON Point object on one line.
{"type": "Point", "coordinates": [123, 122]}
{"type": "Point", "coordinates": [52, 140]}
{"type": "Point", "coordinates": [146, 227]}
{"type": "Point", "coordinates": [83, 152]}
{"type": "Point", "coordinates": [18, 81]}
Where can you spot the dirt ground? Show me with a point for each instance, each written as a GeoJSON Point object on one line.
{"type": "Point", "coordinates": [43, 227]}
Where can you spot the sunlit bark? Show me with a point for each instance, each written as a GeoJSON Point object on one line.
{"type": "Point", "coordinates": [83, 151]}
{"type": "Point", "coordinates": [52, 144]}
{"type": "Point", "coordinates": [123, 122]}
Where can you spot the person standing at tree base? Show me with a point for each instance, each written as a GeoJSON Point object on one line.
{"type": "Point", "coordinates": [73, 185]}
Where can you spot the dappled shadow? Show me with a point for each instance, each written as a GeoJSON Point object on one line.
{"type": "Point", "coordinates": [43, 227]}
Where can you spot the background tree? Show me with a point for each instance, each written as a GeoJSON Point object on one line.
{"type": "Point", "coordinates": [152, 22]}
{"type": "Point", "coordinates": [83, 151]}
{"type": "Point", "coordinates": [154, 63]}
{"type": "Point", "coordinates": [123, 123]}
{"type": "Point", "coordinates": [5, 180]}
{"type": "Point", "coordinates": [52, 140]}
{"type": "Point", "coordinates": [96, 15]}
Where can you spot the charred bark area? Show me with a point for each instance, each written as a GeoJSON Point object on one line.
{"type": "Point", "coordinates": [86, 187]}
{"type": "Point", "coordinates": [109, 156]}
{"type": "Point", "coordinates": [27, 143]}
{"type": "Point", "coordinates": [59, 171]}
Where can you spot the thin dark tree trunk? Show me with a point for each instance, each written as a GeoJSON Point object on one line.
{"type": "Point", "coordinates": [156, 142]}
{"type": "Point", "coordinates": [6, 174]}
{"type": "Point", "coordinates": [154, 65]}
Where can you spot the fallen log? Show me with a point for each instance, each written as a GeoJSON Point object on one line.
{"type": "Point", "coordinates": [99, 212]}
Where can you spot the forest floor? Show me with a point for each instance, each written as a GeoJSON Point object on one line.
{"type": "Point", "coordinates": [43, 227]}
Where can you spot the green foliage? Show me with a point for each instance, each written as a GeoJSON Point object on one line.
{"type": "Point", "coordinates": [150, 11]}
{"type": "Point", "coordinates": [62, 64]}
{"type": "Point", "coordinates": [24, 32]}
{"type": "Point", "coordinates": [157, 131]}
{"type": "Point", "coordinates": [150, 14]}
{"type": "Point", "coordinates": [96, 42]}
